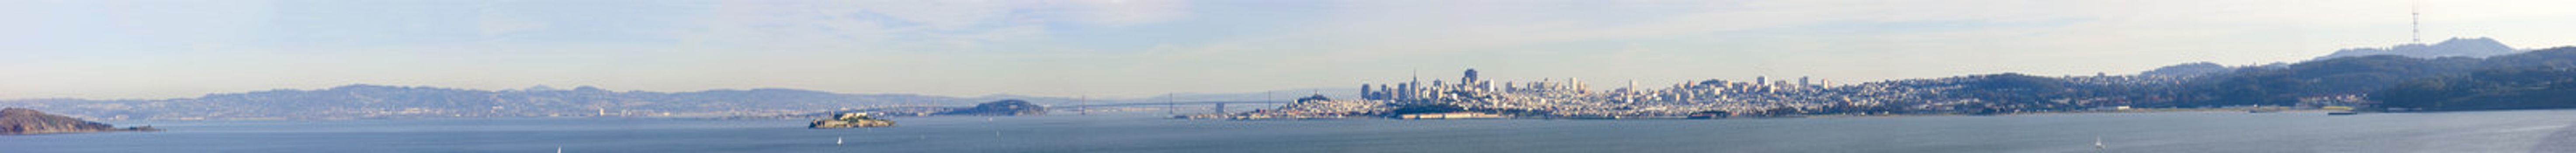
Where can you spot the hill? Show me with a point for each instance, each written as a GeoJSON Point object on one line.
{"type": "Point", "coordinates": [1013, 107]}
{"type": "Point", "coordinates": [2189, 69]}
{"type": "Point", "coordinates": [30, 121]}
{"type": "Point", "coordinates": [2352, 76]}
{"type": "Point", "coordinates": [2455, 47]}
{"type": "Point", "coordinates": [362, 101]}
{"type": "Point", "coordinates": [2539, 80]}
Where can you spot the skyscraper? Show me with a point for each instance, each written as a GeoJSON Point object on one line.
{"type": "Point", "coordinates": [1469, 78]}
{"type": "Point", "coordinates": [1802, 80]}
{"type": "Point", "coordinates": [1760, 79]}
{"type": "Point", "coordinates": [1365, 92]}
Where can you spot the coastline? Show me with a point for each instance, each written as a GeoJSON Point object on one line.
{"type": "Point", "coordinates": [137, 129]}
{"type": "Point", "coordinates": [2254, 110]}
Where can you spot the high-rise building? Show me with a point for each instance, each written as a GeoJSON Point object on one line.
{"type": "Point", "coordinates": [1404, 91]}
{"type": "Point", "coordinates": [1760, 80]}
{"type": "Point", "coordinates": [1364, 92]}
{"type": "Point", "coordinates": [1802, 80]}
{"type": "Point", "coordinates": [1385, 92]}
{"type": "Point", "coordinates": [1470, 77]}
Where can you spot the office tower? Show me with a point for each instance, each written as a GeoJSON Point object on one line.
{"type": "Point", "coordinates": [1365, 93]}
{"type": "Point", "coordinates": [1470, 77]}
{"type": "Point", "coordinates": [1575, 84]}
{"type": "Point", "coordinates": [1760, 81]}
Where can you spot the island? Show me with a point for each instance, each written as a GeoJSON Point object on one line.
{"type": "Point", "coordinates": [20, 121]}
{"type": "Point", "coordinates": [1011, 107]}
{"type": "Point", "coordinates": [850, 120]}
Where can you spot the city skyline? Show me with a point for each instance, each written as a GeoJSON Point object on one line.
{"type": "Point", "coordinates": [1140, 48]}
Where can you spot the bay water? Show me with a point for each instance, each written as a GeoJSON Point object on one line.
{"type": "Point", "coordinates": [2485, 131]}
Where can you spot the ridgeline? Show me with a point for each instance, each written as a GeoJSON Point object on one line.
{"type": "Point", "coordinates": [15, 121]}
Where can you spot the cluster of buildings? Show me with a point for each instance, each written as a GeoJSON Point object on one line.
{"type": "Point", "coordinates": [1571, 97]}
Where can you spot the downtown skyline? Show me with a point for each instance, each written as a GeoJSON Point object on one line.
{"type": "Point", "coordinates": [1143, 48]}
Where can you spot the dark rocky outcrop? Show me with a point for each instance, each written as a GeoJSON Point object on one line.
{"type": "Point", "coordinates": [15, 121]}
{"type": "Point", "coordinates": [1013, 107]}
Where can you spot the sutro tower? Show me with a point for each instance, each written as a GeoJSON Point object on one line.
{"type": "Point", "coordinates": [2415, 22]}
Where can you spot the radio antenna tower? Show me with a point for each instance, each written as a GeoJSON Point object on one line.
{"type": "Point", "coordinates": [2415, 21]}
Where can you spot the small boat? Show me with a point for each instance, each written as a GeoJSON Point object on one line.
{"type": "Point", "coordinates": [836, 140]}
{"type": "Point", "coordinates": [2342, 113]}
{"type": "Point", "coordinates": [2097, 143]}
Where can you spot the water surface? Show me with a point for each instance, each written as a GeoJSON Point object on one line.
{"type": "Point", "coordinates": [2494, 131]}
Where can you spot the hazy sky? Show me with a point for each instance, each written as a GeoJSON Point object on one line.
{"type": "Point", "coordinates": [176, 49]}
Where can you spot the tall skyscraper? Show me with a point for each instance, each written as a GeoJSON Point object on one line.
{"type": "Point", "coordinates": [1404, 91]}
{"type": "Point", "coordinates": [1365, 93]}
{"type": "Point", "coordinates": [1470, 77]}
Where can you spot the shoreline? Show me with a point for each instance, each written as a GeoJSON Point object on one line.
{"type": "Point", "coordinates": [2257, 110]}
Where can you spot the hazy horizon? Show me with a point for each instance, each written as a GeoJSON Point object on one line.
{"type": "Point", "coordinates": [1136, 48]}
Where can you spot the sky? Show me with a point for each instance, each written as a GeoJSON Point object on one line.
{"type": "Point", "coordinates": [153, 49]}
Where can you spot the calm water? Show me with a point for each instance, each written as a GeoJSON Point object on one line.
{"type": "Point", "coordinates": [2501, 131]}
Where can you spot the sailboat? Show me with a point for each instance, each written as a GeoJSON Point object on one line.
{"type": "Point", "coordinates": [836, 140]}
{"type": "Point", "coordinates": [558, 149]}
{"type": "Point", "coordinates": [2097, 143]}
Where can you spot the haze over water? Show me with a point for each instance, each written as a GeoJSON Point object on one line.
{"type": "Point", "coordinates": [2492, 131]}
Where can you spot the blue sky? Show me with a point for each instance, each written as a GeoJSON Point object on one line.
{"type": "Point", "coordinates": [1110, 48]}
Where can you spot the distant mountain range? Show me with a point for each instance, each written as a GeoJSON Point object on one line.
{"type": "Point", "coordinates": [2480, 47]}
{"type": "Point", "coordinates": [363, 101]}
